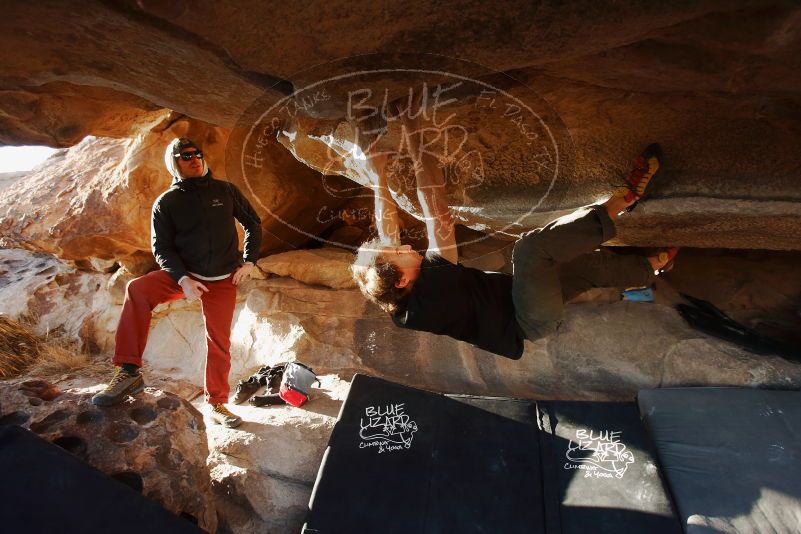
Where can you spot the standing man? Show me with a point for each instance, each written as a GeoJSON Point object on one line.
{"type": "Point", "coordinates": [195, 243]}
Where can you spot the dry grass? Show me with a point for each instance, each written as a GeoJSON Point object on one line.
{"type": "Point", "coordinates": [19, 348]}
{"type": "Point", "coordinates": [22, 350]}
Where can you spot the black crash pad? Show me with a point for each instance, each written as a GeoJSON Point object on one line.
{"type": "Point", "coordinates": [45, 489]}
{"type": "Point", "coordinates": [600, 471]}
{"type": "Point", "coordinates": [731, 456]}
{"type": "Point", "coordinates": [402, 460]}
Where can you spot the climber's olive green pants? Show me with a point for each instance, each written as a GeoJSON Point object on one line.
{"type": "Point", "coordinates": [557, 262]}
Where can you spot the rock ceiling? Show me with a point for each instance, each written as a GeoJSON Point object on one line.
{"type": "Point", "coordinates": [715, 82]}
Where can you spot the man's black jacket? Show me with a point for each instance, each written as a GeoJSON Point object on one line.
{"type": "Point", "coordinates": [193, 228]}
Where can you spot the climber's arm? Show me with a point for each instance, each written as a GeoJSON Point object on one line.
{"type": "Point", "coordinates": [431, 194]}
{"type": "Point", "coordinates": [387, 220]}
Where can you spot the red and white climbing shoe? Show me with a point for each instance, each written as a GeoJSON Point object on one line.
{"type": "Point", "coordinates": [665, 259]}
{"type": "Point", "coordinates": [643, 175]}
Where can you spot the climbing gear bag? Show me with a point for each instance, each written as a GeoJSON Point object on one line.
{"type": "Point", "coordinates": [295, 384]}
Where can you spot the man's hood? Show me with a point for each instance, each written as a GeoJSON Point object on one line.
{"type": "Point", "coordinates": [190, 184]}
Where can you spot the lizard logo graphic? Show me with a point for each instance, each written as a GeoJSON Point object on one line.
{"type": "Point", "coordinates": [598, 454]}
{"type": "Point", "coordinates": [401, 433]}
{"type": "Point", "coordinates": [388, 428]}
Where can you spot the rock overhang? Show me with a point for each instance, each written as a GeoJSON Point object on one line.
{"type": "Point", "coordinates": [715, 82]}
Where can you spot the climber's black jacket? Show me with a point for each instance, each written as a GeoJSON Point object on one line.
{"type": "Point", "coordinates": [193, 228]}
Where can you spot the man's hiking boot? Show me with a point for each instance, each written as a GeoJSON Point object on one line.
{"type": "Point", "coordinates": [246, 389]}
{"type": "Point", "coordinates": [122, 384]}
{"type": "Point", "coordinates": [220, 415]}
{"type": "Point", "coordinates": [643, 175]}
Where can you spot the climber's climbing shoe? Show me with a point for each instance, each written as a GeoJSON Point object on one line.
{"type": "Point", "coordinates": [666, 258]}
{"type": "Point", "coordinates": [641, 178]}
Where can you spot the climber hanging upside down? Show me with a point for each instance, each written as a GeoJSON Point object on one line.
{"type": "Point", "coordinates": [496, 311]}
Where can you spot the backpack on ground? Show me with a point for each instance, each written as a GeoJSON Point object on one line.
{"type": "Point", "coordinates": [296, 383]}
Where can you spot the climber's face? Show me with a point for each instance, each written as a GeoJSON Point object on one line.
{"type": "Point", "coordinates": [193, 167]}
{"type": "Point", "coordinates": [407, 260]}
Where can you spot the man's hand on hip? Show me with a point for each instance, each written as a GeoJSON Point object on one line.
{"type": "Point", "coordinates": [192, 288]}
{"type": "Point", "coordinates": [243, 273]}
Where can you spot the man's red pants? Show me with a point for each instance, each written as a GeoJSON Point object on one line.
{"type": "Point", "coordinates": [146, 292]}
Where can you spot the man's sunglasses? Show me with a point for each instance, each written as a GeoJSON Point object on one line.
{"type": "Point", "coordinates": [186, 156]}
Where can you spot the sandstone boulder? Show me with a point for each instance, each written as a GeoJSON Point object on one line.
{"type": "Point", "coordinates": [155, 443]}
{"type": "Point", "coordinates": [263, 471]}
{"type": "Point", "coordinates": [28, 114]}
{"type": "Point", "coordinates": [337, 331]}
{"type": "Point", "coordinates": [59, 300]}
{"type": "Point", "coordinates": [596, 354]}
{"type": "Point", "coordinates": [327, 266]}
{"type": "Point", "coordinates": [498, 180]}
{"type": "Point", "coordinates": [241, 59]}
{"type": "Point", "coordinates": [715, 82]}
{"type": "Point", "coordinates": [8, 178]}
{"type": "Point", "coordinates": [81, 204]}
{"type": "Point", "coordinates": [22, 273]}
{"type": "Point", "coordinates": [94, 200]}
{"type": "Point", "coordinates": [119, 47]}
